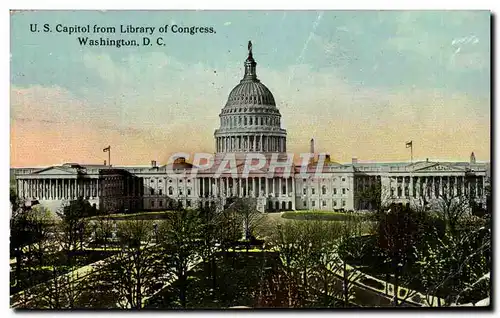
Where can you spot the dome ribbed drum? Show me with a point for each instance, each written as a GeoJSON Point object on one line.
{"type": "Point", "coordinates": [250, 120]}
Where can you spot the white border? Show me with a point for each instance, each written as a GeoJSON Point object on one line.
{"type": "Point", "coordinates": [208, 5]}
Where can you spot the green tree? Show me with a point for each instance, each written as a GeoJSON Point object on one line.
{"type": "Point", "coordinates": [181, 241]}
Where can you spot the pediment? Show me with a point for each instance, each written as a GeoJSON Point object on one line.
{"type": "Point", "coordinates": [56, 171]}
{"type": "Point", "coordinates": [433, 167]}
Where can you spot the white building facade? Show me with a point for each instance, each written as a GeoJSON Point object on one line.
{"type": "Point", "coordinates": [250, 123]}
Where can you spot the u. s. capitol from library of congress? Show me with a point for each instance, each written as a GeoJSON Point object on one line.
{"type": "Point", "coordinates": [250, 124]}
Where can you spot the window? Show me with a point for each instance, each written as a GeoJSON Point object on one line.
{"type": "Point", "coordinates": [324, 203]}
{"type": "Point", "coordinates": [188, 203]}
{"type": "Point", "coordinates": [152, 191]}
{"type": "Point", "coordinates": [323, 189]}
{"type": "Point", "coordinates": [189, 191]}
{"type": "Point", "coordinates": [343, 203]}
{"type": "Point", "coordinates": [151, 180]}
{"type": "Point", "coordinates": [305, 191]}
{"type": "Point", "coordinates": [180, 191]}
{"type": "Point", "coordinates": [152, 203]}
{"type": "Point", "coordinates": [160, 203]}
{"type": "Point", "coordinates": [343, 179]}
{"type": "Point", "coordinates": [180, 181]}
{"type": "Point", "coordinates": [159, 181]}
{"type": "Point", "coordinates": [313, 203]}
{"type": "Point", "coordinates": [170, 191]}
{"type": "Point", "coordinates": [334, 202]}
{"type": "Point", "coordinates": [334, 190]}
{"type": "Point", "coordinates": [305, 203]}
{"type": "Point", "coordinates": [343, 190]}
{"type": "Point", "coordinates": [313, 191]}
{"type": "Point", "coordinates": [160, 191]}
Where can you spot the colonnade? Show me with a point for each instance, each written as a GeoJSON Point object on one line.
{"type": "Point", "coordinates": [58, 189]}
{"type": "Point", "coordinates": [246, 187]}
{"type": "Point", "coordinates": [251, 142]}
{"type": "Point", "coordinates": [436, 186]}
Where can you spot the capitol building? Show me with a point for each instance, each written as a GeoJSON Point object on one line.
{"type": "Point", "coordinates": [250, 123]}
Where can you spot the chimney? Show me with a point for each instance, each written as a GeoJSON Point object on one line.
{"type": "Point", "coordinates": [472, 158]}
{"type": "Point", "coordinates": [354, 160]}
{"type": "Point", "coordinates": [104, 162]}
{"type": "Point", "coordinates": [153, 163]}
{"type": "Point", "coordinates": [427, 160]}
{"type": "Point", "coordinates": [327, 158]}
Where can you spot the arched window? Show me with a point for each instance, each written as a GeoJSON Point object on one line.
{"type": "Point", "coordinates": [245, 122]}
{"type": "Point", "coordinates": [170, 191]}
{"type": "Point", "coordinates": [323, 190]}
{"type": "Point", "coordinates": [251, 121]}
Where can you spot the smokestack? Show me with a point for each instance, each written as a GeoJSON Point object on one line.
{"type": "Point", "coordinates": [472, 158]}
{"type": "Point", "coordinates": [354, 160]}
{"type": "Point", "coordinates": [153, 163]}
{"type": "Point", "coordinates": [312, 146]}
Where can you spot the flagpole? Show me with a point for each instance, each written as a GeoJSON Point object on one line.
{"type": "Point", "coordinates": [411, 150]}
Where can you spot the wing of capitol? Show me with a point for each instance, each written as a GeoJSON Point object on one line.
{"type": "Point", "coordinates": [250, 122]}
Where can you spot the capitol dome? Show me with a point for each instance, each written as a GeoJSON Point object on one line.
{"type": "Point", "coordinates": [250, 92]}
{"type": "Point", "coordinates": [250, 120]}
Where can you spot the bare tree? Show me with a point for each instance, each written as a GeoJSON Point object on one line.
{"type": "Point", "coordinates": [181, 241]}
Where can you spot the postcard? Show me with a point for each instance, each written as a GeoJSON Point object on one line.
{"type": "Point", "coordinates": [250, 159]}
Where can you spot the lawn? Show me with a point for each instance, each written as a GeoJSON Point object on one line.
{"type": "Point", "coordinates": [43, 272]}
{"type": "Point", "coordinates": [322, 216]}
{"type": "Point", "coordinates": [157, 215]}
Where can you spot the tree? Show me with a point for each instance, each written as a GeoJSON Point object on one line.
{"type": "Point", "coordinates": [73, 228]}
{"type": "Point", "coordinates": [209, 226]}
{"type": "Point", "coordinates": [181, 241]}
{"type": "Point", "coordinates": [29, 232]}
{"type": "Point", "coordinates": [310, 255]}
{"type": "Point", "coordinates": [133, 274]}
{"type": "Point", "coordinates": [400, 230]}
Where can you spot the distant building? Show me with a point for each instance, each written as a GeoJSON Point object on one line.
{"type": "Point", "coordinates": [250, 122]}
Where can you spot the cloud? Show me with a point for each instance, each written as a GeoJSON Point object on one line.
{"type": "Point", "coordinates": [151, 105]}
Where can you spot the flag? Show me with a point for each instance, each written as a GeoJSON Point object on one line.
{"type": "Point", "coordinates": [409, 144]}
{"type": "Point", "coordinates": [108, 148]}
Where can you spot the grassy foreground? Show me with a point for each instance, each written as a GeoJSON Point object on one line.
{"type": "Point", "coordinates": [321, 215]}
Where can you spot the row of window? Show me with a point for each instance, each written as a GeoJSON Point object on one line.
{"type": "Point", "coordinates": [169, 181]}
{"type": "Point", "coordinates": [244, 121]}
{"type": "Point", "coordinates": [323, 190]}
{"type": "Point", "coordinates": [324, 180]}
{"type": "Point", "coordinates": [323, 203]}
{"type": "Point", "coordinates": [168, 205]}
{"type": "Point", "coordinates": [170, 191]}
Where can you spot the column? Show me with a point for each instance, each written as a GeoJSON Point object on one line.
{"type": "Point", "coordinates": [254, 142]}
{"type": "Point", "coordinates": [266, 193]}
{"type": "Point", "coordinates": [246, 186]}
{"type": "Point", "coordinates": [254, 194]}
{"type": "Point", "coordinates": [280, 192]}
{"type": "Point", "coordinates": [286, 186]}
{"type": "Point", "coordinates": [483, 191]}
{"type": "Point", "coordinates": [274, 187]}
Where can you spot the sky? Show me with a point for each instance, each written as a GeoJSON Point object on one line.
{"type": "Point", "coordinates": [361, 83]}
